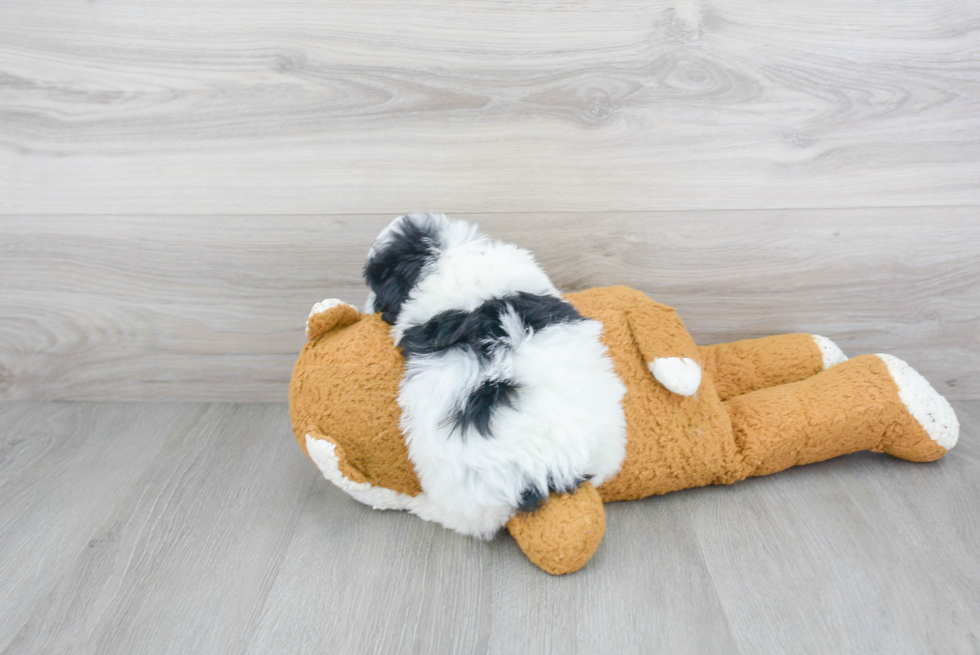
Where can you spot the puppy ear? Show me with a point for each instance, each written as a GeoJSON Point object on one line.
{"type": "Point", "coordinates": [397, 258]}
{"type": "Point", "coordinates": [328, 315]}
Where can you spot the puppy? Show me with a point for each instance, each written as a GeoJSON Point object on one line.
{"type": "Point", "coordinates": [508, 392]}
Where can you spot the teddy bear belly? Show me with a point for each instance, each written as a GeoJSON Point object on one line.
{"type": "Point", "coordinates": [673, 442]}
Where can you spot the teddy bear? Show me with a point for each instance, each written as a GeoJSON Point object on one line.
{"type": "Point", "coordinates": [472, 393]}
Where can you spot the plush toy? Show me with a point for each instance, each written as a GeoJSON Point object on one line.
{"type": "Point", "coordinates": [471, 393]}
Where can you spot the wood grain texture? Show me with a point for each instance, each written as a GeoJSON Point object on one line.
{"type": "Point", "coordinates": [351, 581]}
{"type": "Point", "coordinates": [240, 106]}
{"type": "Point", "coordinates": [647, 589]}
{"type": "Point", "coordinates": [62, 470]}
{"type": "Point", "coordinates": [877, 564]}
{"type": "Point", "coordinates": [183, 562]}
{"type": "Point", "coordinates": [229, 541]}
{"type": "Point", "coordinates": [213, 308]}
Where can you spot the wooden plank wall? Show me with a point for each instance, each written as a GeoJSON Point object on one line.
{"type": "Point", "coordinates": [180, 182]}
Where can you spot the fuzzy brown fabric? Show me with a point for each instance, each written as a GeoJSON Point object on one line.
{"type": "Point", "coordinates": [741, 367]}
{"type": "Point", "coordinates": [344, 387]}
{"type": "Point", "coordinates": [672, 442]}
{"type": "Point", "coordinates": [850, 407]}
{"type": "Point", "coordinates": [764, 405]}
{"type": "Point", "coordinates": [563, 534]}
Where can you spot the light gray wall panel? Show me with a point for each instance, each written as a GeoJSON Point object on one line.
{"type": "Point", "coordinates": [213, 307]}
{"type": "Point", "coordinates": [242, 106]}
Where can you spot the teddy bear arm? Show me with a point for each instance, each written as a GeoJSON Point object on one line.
{"type": "Point", "coordinates": [564, 533]}
{"type": "Point", "coordinates": [669, 351]}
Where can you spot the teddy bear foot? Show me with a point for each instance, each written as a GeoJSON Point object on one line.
{"type": "Point", "coordinates": [931, 411]}
{"type": "Point", "coordinates": [831, 352]}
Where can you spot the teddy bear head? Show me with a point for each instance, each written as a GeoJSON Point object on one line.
{"type": "Point", "coordinates": [343, 400]}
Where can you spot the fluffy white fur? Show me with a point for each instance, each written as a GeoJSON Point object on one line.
{"type": "Point", "coordinates": [567, 422]}
{"type": "Point", "coordinates": [369, 303]}
{"type": "Point", "coordinates": [931, 410]}
{"type": "Point", "coordinates": [469, 269]}
{"type": "Point", "coordinates": [682, 375]}
{"type": "Point", "coordinates": [831, 352]}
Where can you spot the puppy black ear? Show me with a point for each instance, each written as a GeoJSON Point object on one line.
{"type": "Point", "coordinates": [396, 262]}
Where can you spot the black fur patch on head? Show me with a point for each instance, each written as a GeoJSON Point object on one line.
{"type": "Point", "coordinates": [392, 272]}
{"type": "Point", "coordinates": [481, 333]}
{"type": "Point", "coordinates": [479, 406]}
{"type": "Point", "coordinates": [477, 331]}
{"type": "Point", "coordinates": [481, 330]}
{"type": "Point", "coordinates": [538, 312]}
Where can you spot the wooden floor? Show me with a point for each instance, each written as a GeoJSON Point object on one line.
{"type": "Point", "coordinates": [201, 528]}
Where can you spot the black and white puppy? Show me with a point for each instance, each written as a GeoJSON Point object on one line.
{"type": "Point", "coordinates": [508, 392]}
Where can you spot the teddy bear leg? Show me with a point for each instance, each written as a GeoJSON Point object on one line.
{"type": "Point", "coordinates": [871, 402]}
{"type": "Point", "coordinates": [744, 366]}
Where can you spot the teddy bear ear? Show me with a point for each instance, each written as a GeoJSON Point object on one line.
{"type": "Point", "coordinates": [328, 315]}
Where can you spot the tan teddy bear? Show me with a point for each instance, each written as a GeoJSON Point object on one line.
{"type": "Point", "coordinates": [672, 414]}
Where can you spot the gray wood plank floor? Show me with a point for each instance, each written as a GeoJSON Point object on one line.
{"type": "Point", "coordinates": [192, 528]}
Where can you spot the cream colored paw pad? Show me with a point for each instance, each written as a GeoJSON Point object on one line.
{"type": "Point", "coordinates": [681, 375]}
{"type": "Point", "coordinates": [831, 352]}
{"type": "Point", "coordinates": [931, 410]}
